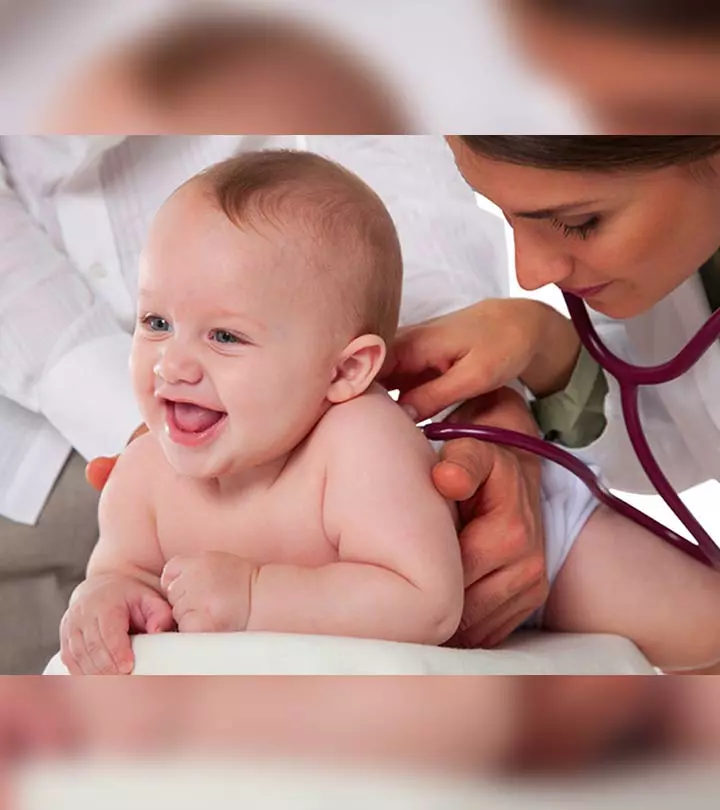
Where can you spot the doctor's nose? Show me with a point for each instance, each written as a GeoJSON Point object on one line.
{"type": "Point", "coordinates": [537, 266]}
{"type": "Point", "coordinates": [176, 365]}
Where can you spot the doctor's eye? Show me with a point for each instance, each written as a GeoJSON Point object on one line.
{"type": "Point", "coordinates": [582, 231]}
{"type": "Point", "coordinates": [154, 323]}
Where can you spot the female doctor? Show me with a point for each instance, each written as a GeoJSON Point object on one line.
{"type": "Point", "coordinates": [632, 226]}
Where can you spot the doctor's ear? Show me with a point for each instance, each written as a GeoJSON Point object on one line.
{"type": "Point", "coordinates": [358, 366]}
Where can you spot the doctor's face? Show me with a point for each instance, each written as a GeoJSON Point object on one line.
{"type": "Point", "coordinates": [621, 240]}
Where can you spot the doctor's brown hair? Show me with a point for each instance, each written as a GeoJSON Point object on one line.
{"type": "Point", "coordinates": [668, 18]}
{"type": "Point", "coordinates": [595, 153]}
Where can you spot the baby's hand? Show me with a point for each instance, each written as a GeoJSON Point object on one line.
{"type": "Point", "coordinates": [209, 592]}
{"type": "Point", "coordinates": [95, 630]}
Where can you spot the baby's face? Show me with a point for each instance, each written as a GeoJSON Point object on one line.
{"type": "Point", "coordinates": [232, 356]}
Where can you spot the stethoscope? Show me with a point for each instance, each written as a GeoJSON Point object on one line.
{"type": "Point", "coordinates": [630, 378]}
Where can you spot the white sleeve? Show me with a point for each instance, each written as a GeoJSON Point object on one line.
{"type": "Point", "coordinates": [62, 352]}
{"type": "Point", "coordinates": [454, 253]}
{"type": "Point", "coordinates": [613, 452]}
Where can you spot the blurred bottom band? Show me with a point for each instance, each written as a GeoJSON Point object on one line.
{"type": "Point", "coordinates": [190, 783]}
{"type": "Point", "coordinates": [460, 725]}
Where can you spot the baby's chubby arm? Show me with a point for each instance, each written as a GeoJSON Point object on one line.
{"type": "Point", "coordinates": [122, 590]}
{"type": "Point", "coordinates": [399, 575]}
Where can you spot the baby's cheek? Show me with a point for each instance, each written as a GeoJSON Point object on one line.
{"type": "Point", "coordinates": [142, 377]}
{"type": "Point", "coordinates": [242, 389]}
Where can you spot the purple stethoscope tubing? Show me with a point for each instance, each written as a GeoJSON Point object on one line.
{"type": "Point", "coordinates": [629, 378]}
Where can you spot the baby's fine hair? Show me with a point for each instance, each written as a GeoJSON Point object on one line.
{"type": "Point", "coordinates": [344, 229]}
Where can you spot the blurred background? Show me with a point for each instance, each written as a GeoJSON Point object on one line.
{"type": "Point", "coordinates": [504, 66]}
{"type": "Point", "coordinates": [73, 66]}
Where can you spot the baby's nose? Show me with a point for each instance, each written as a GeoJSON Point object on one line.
{"type": "Point", "coordinates": [177, 365]}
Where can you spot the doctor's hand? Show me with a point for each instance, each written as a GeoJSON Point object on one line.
{"type": "Point", "coordinates": [98, 470]}
{"type": "Point", "coordinates": [501, 539]}
{"type": "Point", "coordinates": [479, 349]}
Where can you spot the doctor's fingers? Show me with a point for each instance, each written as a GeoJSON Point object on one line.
{"type": "Point", "coordinates": [469, 377]}
{"type": "Point", "coordinates": [98, 471]}
{"type": "Point", "coordinates": [505, 577]}
{"type": "Point", "coordinates": [416, 350]}
{"type": "Point", "coordinates": [464, 466]}
{"type": "Point", "coordinates": [517, 597]}
{"type": "Point", "coordinates": [502, 540]}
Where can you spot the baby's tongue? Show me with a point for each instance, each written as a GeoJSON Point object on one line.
{"type": "Point", "coordinates": [194, 418]}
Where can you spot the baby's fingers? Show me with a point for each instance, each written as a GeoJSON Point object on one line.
{"type": "Point", "coordinates": [181, 606]}
{"type": "Point", "coordinates": [195, 621]}
{"type": "Point", "coordinates": [157, 615]}
{"type": "Point", "coordinates": [73, 648]}
{"type": "Point", "coordinates": [114, 637]}
{"type": "Point", "coordinates": [173, 570]}
{"type": "Point", "coordinates": [107, 644]}
{"type": "Point", "coordinates": [72, 653]}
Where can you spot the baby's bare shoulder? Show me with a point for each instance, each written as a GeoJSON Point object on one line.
{"type": "Point", "coordinates": [143, 450]}
{"type": "Point", "coordinates": [130, 493]}
{"type": "Point", "coordinates": [141, 461]}
{"type": "Point", "coordinates": [372, 421]}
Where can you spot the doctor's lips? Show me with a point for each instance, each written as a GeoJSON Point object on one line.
{"type": "Point", "coordinates": [190, 424]}
{"type": "Point", "coordinates": [586, 292]}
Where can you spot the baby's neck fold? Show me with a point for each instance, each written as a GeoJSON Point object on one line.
{"type": "Point", "coordinates": [262, 477]}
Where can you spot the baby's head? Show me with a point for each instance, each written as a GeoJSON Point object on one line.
{"type": "Point", "coordinates": [269, 286]}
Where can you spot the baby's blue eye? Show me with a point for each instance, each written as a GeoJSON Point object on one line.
{"type": "Point", "coordinates": [156, 324]}
{"type": "Point", "coordinates": [224, 337]}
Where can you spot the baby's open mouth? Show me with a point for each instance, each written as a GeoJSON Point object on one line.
{"type": "Point", "coordinates": [192, 419]}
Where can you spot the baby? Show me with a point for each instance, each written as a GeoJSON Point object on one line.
{"type": "Point", "coordinates": [279, 488]}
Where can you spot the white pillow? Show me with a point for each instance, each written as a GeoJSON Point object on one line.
{"type": "Point", "coordinates": [533, 653]}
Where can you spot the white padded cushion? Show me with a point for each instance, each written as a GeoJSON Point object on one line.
{"type": "Point", "coordinates": [186, 785]}
{"type": "Point", "coordinates": [283, 654]}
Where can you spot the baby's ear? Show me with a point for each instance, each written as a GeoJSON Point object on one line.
{"type": "Point", "coordinates": [358, 366]}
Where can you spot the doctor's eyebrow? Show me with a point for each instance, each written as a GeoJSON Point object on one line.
{"type": "Point", "coordinates": [548, 213]}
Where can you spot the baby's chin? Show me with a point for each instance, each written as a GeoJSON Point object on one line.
{"type": "Point", "coordinates": [197, 464]}
{"type": "Point", "coordinates": [203, 464]}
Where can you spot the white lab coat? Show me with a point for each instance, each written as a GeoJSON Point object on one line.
{"type": "Point", "coordinates": [682, 418]}
{"type": "Point", "coordinates": [67, 301]}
